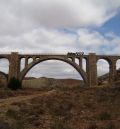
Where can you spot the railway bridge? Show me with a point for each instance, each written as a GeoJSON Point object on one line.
{"type": "Point", "coordinates": [89, 76]}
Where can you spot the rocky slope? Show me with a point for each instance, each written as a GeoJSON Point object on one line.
{"type": "Point", "coordinates": [61, 108]}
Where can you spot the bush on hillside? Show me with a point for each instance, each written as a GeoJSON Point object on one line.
{"type": "Point", "coordinates": [14, 84]}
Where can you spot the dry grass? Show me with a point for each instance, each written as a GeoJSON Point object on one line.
{"type": "Point", "coordinates": [72, 108]}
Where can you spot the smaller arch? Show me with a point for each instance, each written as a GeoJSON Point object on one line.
{"type": "Point", "coordinates": [4, 71]}
{"type": "Point", "coordinates": [22, 63]}
{"type": "Point", "coordinates": [108, 59]}
{"type": "Point", "coordinates": [77, 61]}
{"type": "Point", "coordinates": [37, 58]}
{"type": "Point", "coordinates": [118, 64]}
{"type": "Point", "coordinates": [84, 64]}
{"type": "Point", "coordinates": [117, 77]}
{"type": "Point", "coordinates": [69, 58]}
{"type": "Point", "coordinates": [103, 70]}
{"type": "Point", "coordinates": [30, 60]}
{"type": "Point", "coordinates": [4, 65]}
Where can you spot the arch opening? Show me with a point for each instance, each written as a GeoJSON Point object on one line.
{"type": "Point", "coordinates": [117, 78]}
{"type": "Point", "coordinates": [118, 64]}
{"type": "Point", "coordinates": [84, 64]}
{"type": "Point", "coordinates": [22, 64]}
{"type": "Point", "coordinates": [30, 60]}
{"type": "Point", "coordinates": [77, 61]}
{"type": "Point", "coordinates": [53, 71]}
{"type": "Point", "coordinates": [37, 58]}
{"type": "Point", "coordinates": [103, 71]}
{"type": "Point", "coordinates": [70, 59]}
{"type": "Point", "coordinates": [4, 70]}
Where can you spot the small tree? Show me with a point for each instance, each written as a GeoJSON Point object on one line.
{"type": "Point", "coordinates": [14, 84]}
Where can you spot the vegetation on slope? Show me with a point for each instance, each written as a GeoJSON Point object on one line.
{"type": "Point", "coordinates": [62, 108]}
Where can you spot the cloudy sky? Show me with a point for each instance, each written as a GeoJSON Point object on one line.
{"type": "Point", "coordinates": [59, 26]}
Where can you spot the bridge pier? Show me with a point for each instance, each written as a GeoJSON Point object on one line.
{"type": "Point", "coordinates": [14, 67]}
{"type": "Point", "coordinates": [91, 70]}
{"type": "Point", "coordinates": [80, 62]}
{"type": "Point", "coordinates": [112, 73]}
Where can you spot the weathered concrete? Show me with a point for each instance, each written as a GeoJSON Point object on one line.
{"type": "Point", "coordinates": [91, 70]}
{"type": "Point", "coordinates": [14, 67]}
{"type": "Point", "coordinates": [89, 76]}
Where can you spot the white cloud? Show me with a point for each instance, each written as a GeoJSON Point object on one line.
{"type": "Point", "coordinates": [30, 26]}
{"type": "Point", "coordinates": [55, 41]}
{"type": "Point", "coordinates": [50, 40]}
{"type": "Point", "coordinates": [21, 16]}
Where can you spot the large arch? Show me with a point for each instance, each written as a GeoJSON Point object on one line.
{"type": "Point", "coordinates": [35, 62]}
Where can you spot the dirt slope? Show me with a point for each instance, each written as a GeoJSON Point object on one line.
{"type": "Point", "coordinates": [76, 108]}
{"type": "Point", "coordinates": [8, 101]}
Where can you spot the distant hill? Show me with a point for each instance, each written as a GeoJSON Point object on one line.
{"type": "Point", "coordinates": [3, 80]}
{"type": "Point", "coordinates": [51, 82]}
{"type": "Point", "coordinates": [104, 78]}
{"type": "Point", "coordinates": [32, 82]}
{"type": "Point", "coordinates": [29, 78]}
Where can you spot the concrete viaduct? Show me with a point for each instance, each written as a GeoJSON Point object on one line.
{"type": "Point", "coordinates": [89, 76]}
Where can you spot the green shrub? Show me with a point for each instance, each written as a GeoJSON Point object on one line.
{"type": "Point", "coordinates": [4, 125]}
{"type": "Point", "coordinates": [59, 125]}
{"type": "Point", "coordinates": [92, 126]}
{"type": "Point", "coordinates": [13, 114]}
{"type": "Point", "coordinates": [110, 126]}
{"type": "Point", "coordinates": [14, 84]}
{"type": "Point", "coordinates": [18, 125]}
{"type": "Point", "coordinates": [104, 116]}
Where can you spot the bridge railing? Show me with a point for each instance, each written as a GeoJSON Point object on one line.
{"type": "Point", "coordinates": [69, 53]}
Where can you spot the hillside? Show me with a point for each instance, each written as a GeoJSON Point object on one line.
{"type": "Point", "coordinates": [44, 82]}
{"type": "Point", "coordinates": [104, 78]}
{"type": "Point", "coordinates": [61, 108]}
{"type": "Point", "coordinates": [48, 103]}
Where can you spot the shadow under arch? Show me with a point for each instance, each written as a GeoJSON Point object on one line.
{"type": "Point", "coordinates": [32, 64]}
